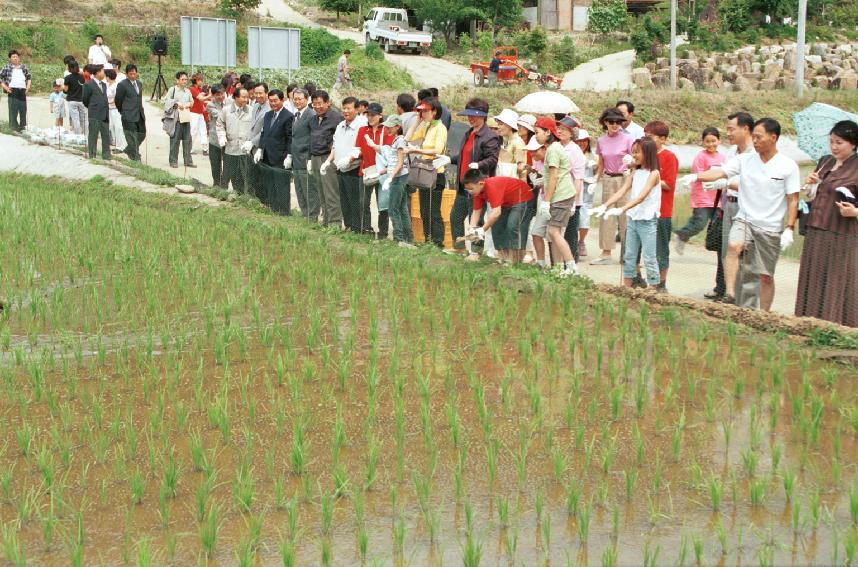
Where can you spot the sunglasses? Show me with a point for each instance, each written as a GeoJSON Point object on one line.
{"type": "Point", "coordinates": [614, 121]}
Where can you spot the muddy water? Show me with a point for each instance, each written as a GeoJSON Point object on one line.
{"type": "Point", "coordinates": [498, 419]}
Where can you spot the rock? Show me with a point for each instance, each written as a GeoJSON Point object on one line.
{"type": "Point", "coordinates": [819, 49]}
{"type": "Point", "coordinates": [767, 85]}
{"type": "Point", "coordinates": [845, 49]}
{"type": "Point", "coordinates": [661, 78]}
{"type": "Point", "coordinates": [716, 82]}
{"type": "Point", "coordinates": [775, 49]}
{"type": "Point", "coordinates": [751, 76]}
{"type": "Point", "coordinates": [822, 82]}
{"type": "Point", "coordinates": [728, 86]}
{"type": "Point", "coordinates": [772, 71]}
{"type": "Point", "coordinates": [813, 60]}
{"type": "Point", "coordinates": [686, 84]}
{"type": "Point", "coordinates": [642, 77]}
{"type": "Point", "coordinates": [185, 188]}
{"type": "Point", "coordinates": [756, 67]}
{"type": "Point", "coordinates": [847, 79]}
{"type": "Point", "coordinates": [662, 63]}
{"type": "Point", "coordinates": [743, 84]}
{"type": "Point", "coordinates": [651, 66]}
{"type": "Point", "coordinates": [749, 50]}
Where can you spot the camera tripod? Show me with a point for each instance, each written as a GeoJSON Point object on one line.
{"type": "Point", "coordinates": [160, 86]}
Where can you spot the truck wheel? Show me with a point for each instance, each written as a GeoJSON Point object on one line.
{"type": "Point", "coordinates": [479, 78]}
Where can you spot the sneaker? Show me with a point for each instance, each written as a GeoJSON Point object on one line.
{"type": "Point", "coordinates": [528, 259]}
{"type": "Point", "coordinates": [602, 261]}
{"type": "Point", "coordinates": [582, 249]}
{"type": "Point", "coordinates": [679, 246]}
{"type": "Point", "coordinates": [403, 244]}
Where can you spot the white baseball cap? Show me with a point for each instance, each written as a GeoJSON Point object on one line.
{"type": "Point", "coordinates": [508, 117]}
{"type": "Point", "coordinates": [583, 134]}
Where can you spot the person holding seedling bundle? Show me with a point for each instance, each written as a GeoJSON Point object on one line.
{"type": "Point", "coordinates": [642, 208]}
{"type": "Point", "coordinates": [508, 219]}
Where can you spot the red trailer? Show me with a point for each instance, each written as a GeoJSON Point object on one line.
{"type": "Point", "coordinates": [510, 72]}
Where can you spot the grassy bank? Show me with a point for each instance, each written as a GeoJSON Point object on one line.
{"type": "Point", "coordinates": [687, 112]}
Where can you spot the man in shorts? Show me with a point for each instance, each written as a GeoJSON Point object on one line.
{"type": "Point", "coordinates": [508, 220]}
{"type": "Point", "coordinates": [770, 182]}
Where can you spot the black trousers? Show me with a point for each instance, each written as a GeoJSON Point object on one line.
{"type": "Point", "coordinates": [182, 135]}
{"type": "Point", "coordinates": [461, 210]}
{"type": "Point", "coordinates": [430, 212]}
{"type": "Point", "coordinates": [235, 170]}
{"type": "Point", "coordinates": [135, 133]}
{"type": "Point", "coordinates": [18, 109]}
{"type": "Point", "coordinates": [277, 190]}
{"type": "Point", "coordinates": [216, 162]}
{"type": "Point", "coordinates": [354, 201]}
{"type": "Point", "coordinates": [96, 128]}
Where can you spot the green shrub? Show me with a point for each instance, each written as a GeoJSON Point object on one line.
{"type": "Point", "coordinates": [318, 46]}
{"type": "Point", "coordinates": [735, 15]}
{"type": "Point", "coordinates": [562, 55]}
{"type": "Point", "coordinates": [438, 48]}
{"type": "Point", "coordinates": [606, 16]}
{"type": "Point", "coordinates": [485, 44]}
{"type": "Point", "coordinates": [465, 42]}
{"type": "Point", "coordinates": [374, 52]}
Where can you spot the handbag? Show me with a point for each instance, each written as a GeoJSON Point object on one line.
{"type": "Point", "coordinates": [370, 176]}
{"type": "Point", "coordinates": [422, 174]}
{"type": "Point", "coordinates": [713, 229]}
{"type": "Point", "coordinates": [507, 169]}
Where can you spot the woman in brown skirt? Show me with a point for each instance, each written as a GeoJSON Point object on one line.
{"type": "Point", "coordinates": [828, 279]}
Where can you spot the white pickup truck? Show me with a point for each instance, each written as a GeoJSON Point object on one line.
{"type": "Point", "coordinates": [389, 27]}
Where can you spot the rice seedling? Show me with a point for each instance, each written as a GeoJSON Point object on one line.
{"type": "Point", "coordinates": [757, 490]}
{"type": "Point", "coordinates": [209, 529]}
{"type": "Point", "coordinates": [716, 488]}
{"type": "Point", "coordinates": [853, 503]}
{"type": "Point", "coordinates": [583, 518]}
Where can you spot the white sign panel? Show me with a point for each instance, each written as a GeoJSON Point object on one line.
{"type": "Point", "coordinates": [208, 41]}
{"type": "Point", "coordinates": [273, 48]}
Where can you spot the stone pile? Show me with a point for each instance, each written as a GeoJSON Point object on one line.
{"type": "Point", "coordinates": [753, 68]}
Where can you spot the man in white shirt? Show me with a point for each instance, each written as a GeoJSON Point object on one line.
{"type": "Point", "coordinates": [769, 182]}
{"type": "Point", "coordinates": [630, 128]}
{"type": "Point", "coordinates": [15, 80]}
{"type": "Point", "coordinates": [345, 156]}
{"type": "Point", "coordinates": [99, 54]}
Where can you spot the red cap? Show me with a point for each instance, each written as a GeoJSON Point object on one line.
{"type": "Point", "coordinates": [547, 124]}
{"type": "Point", "coordinates": [423, 106]}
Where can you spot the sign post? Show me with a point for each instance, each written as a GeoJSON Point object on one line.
{"type": "Point", "coordinates": [208, 42]}
{"type": "Point", "coordinates": [274, 48]}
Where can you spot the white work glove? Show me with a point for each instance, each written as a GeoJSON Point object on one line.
{"type": "Point", "coordinates": [479, 233]}
{"type": "Point", "coordinates": [786, 239]}
{"type": "Point", "coordinates": [247, 146]}
{"type": "Point", "coordinates": [473, 165]}
{"type": "Point", "coordinates": [287, 163]}
{"type": "Point", "coordinates": [591, 189]}
{"type": "Point", "coordinates": [811, 190]}
{"type": "Point", "coordinates": [544, 209]}
{"type": "Point", "coordinates": [386, 185]}
{"type": "Point", "coordinates": [257, 156]}
{"type": "Point", "coordinates": [536, 180]}
{"type": "Point", "coordinates": [324, 167]}
{"type": "Point", "coordinates": [592, 163]}
{"type": "Point", "coordinates": [598, 211]}
{"type": "Point", "coordinates": [715, 185]}
{"type": "Point", "coordinates": [343, 164]}
{"type": "Point", "coordinates": [628, 160]}
{"type": "Point", "coordinates": [613, 212]}
{"type": "Point", "coordinates": [687, 180]}
{"type": "Point", "coordinates": [221, 142]}
{"type": "Point", "coordinates": [590, 180]}
{"type": "Point", "coordinates": [355, 153]}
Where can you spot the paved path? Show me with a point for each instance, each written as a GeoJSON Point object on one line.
{"type": "Point", "coordinates": [425, 70]}
{"type": "Point", "coordinates": [611, 72]}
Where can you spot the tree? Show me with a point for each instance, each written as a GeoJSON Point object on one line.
{"type": "Point", "coordinates": [606, 16]}
{"type": "Point", "coordinates": [339, 6]}
{"type": "Point", "coordinates": [235, 8]}
{"type": "Point", "coordinates": [445, 15]}
{"type": "Point", "coordinates": [501, 13]}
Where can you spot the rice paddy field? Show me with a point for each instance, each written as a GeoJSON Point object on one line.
{"type": "Point", "coordinates": [181, 385]}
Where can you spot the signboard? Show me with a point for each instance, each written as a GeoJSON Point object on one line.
{"type": "Point", "coordinates": [208, 41]}
{"type": "Point", "coordinates": [273, 48]}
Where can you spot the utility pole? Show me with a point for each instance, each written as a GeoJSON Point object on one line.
{"type": "Point", "coordinates": [673, 44]}
{"type": "Point", "coordinates": [799, 49]}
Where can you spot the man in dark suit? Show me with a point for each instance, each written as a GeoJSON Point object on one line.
{"type": "Point", "coordinates": [95, 101]}
{"type": "Point", "coordinates": [275, 142]}
{"type": "Point", "coordinates": [129, 103]}
{"type": "Point", "coordinates": [308, 200]}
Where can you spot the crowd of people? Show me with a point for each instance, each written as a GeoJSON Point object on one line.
{"type": "Point", "coordinates": [525, 185]}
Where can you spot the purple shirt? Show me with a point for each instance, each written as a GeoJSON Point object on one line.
{"type": "Point", "coordinates": [612, 149]}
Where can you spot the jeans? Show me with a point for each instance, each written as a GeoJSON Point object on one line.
{"type": "Point", "coordinates": [135, 133]}
{"type": "Point", "coordinates": [430, 212]}
{"type": "Point", "coordinates": [181, 135]}
{"type": "Point", "coordinates": [571, 234]}
{"type": "Point", "coordinates": [17, 110]}
{"type": "Point", "coordinates": [398, 210]}
{"type": "Point", "coordinates": [96, 128]}
{"type": "Point", "coordinates": [307, 194]}
{"type": "Point", "coordinates": [662, 242]}
{"type": "Point", "coordinates": [461, 210]}
{"type": "Point", "coordinates": [78, 118]}
{"type": "Point", "coordinates": [216, 162]}
{"type": "Point", "coordinates": [697, 222]}
{"type": "Point", "coordinates": [640, 236]}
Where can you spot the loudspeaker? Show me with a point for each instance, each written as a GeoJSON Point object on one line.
{"type": "Point", "coordinates": [158, 44]}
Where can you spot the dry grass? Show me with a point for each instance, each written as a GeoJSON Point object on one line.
{"type": "Point", "coordinates": [141, 12]}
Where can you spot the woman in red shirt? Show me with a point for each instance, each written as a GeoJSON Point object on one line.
{"type": "Point", "coordinates": [199, 119]}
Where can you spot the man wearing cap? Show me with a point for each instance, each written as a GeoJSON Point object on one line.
{"type": "Point", "coordinates": [479, 150]}
{"type": "Point", "coordinates": [369, 136]}
{"type": "Point", "coordinates": [345, 157]}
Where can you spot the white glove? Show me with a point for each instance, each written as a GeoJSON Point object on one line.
{"type": "Point", "coordinates": [592, 163]}
{"type": "Point", "coordinates": [687, 180]}
{"type": "Point", "coordinates": [287, 163]}
{"type": "Point", "coordinates": [598, 211]}
{"type": "Point", "coordinates": [479, 233]}
{"type": "Point", "coordinates": [324, 167]}
{"type": "Point", "coordinates": [544, 209]}
{"type": "Point", "coordinates": [591, 189]}
{"type": "Point", "coordinates": [613, 212]}
{"type": "Point", "coordinates": [473, 165]}
{"type": "Point", "coordinates": [590, 180]}
{"type": "Point", "coordinates": [355, 153]}
{"type": "Point", "coordinates": [257, 156]}
{"type": "Point", "coordinates": [247, 146]}
{"type": "Point", "coordinates": [386, 185]}
{"type": "Point", "coordinates": [628, 160]}
{"type": "Point", "coordinates": [786, 239]}
{"type": "Point", "coordinates": [344, 163]}
{"type": "Point", "coordinates": [811, 190]}
{"type": "Point", "coordinates": [221, 142]}
{"type": "Point", "coordinates": [536, 180]}
{"type": "Point", "coordinates": [715, 185]}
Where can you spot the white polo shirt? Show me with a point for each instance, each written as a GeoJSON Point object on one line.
{"type": "Point", "coordinates": [345, 137]}
{"type": "Point", "coordinates": [634, 130]}
{"type": "Point", "coordinates": [764, 188]}
{"type": "Point", "coordinates": [18, 80]}
{"type": "Point", "coordinates": [732, 152]}
{"type": "Point", "coordinates": [97, 55]}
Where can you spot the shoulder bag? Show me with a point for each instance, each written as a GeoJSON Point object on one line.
{"type": "Point", "coordinates": [422, 174]}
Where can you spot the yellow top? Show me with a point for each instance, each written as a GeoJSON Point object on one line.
{"type": "Point", "coordinates": [434, 136]}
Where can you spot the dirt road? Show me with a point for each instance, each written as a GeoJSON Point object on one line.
{"type": "Point", "coordinates": [611, 72]}
{"type": "Point", "coordinates": [426, 71]}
